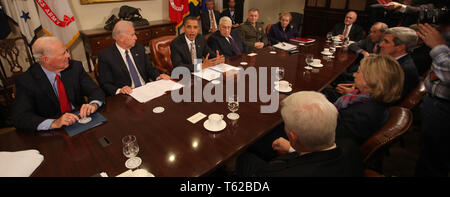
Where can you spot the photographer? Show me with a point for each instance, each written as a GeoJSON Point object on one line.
{"type": "Point", "coordinates": [417, 10]}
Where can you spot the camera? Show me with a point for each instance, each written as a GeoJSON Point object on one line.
{"type": "Point", "coordinates": [434, 16]}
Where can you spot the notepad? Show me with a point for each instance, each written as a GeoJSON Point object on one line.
{"type": "Point", "coordinates": [196, 117]}
{"type": "Point", "coordinates": [208, 74]}
{"type": "Point", "coordinates": [303, 40]}
{"type": "Point", "coordinates": [77, 128]}
{"type": "Point", "coordinates": [285, 46]}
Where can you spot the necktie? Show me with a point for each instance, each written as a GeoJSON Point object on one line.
{"type": "Point", "coordinates": [346, 31]}
{"type": "Point", "coordinates": [133, 71]}
{"type": "Point", "coordinates": [63, 101]}
{"type": "Point", "coordinates": [193, 52]}
{"type": "Point", "coordinates": [234, 45]}
{"type": "Point", "coordinates": [213, 24]}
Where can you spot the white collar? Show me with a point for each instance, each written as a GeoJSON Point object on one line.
{"type": "Point", "coordinates": [121, 50]}
{"type": "Point", "coordinates": [399, 57]}
{"type": "Point", "coordinates": [188, 41]}
{"type": "Point", "coordinates": [332, 147]}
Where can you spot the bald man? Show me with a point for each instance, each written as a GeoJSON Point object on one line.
{"type": "Point", "coordinates": [348, 28]}
{"type": "Point", "coordinates": [124, 65]}
{"type": "Point", "coordinates": [51, 89]}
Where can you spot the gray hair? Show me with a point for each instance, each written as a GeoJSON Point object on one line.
{"type": "Point", "coordinates": [120, 27]}
{"type": "Point", "coordinates": [311, 117]}
{"type": "Point", "coordinates": [383, 26]}
{"type": "Point", "coordinates": [404, 35]}
{"type": "Point", "coordinates": [40, 47]}
{"type": "Point", "coordinates": [225, 19]}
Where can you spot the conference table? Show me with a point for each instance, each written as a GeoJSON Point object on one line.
{"type": "Point", "coordinates": [171, 146]}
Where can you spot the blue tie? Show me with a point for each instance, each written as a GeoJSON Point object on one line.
{"type": "Point", "coordinates": [133, 71]}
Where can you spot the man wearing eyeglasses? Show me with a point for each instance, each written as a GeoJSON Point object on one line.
{"type": "Point", "coordinates": [49, 90]}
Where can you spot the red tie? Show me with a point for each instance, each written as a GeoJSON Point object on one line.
{"type": "Point", "coordinates": [63, 101]}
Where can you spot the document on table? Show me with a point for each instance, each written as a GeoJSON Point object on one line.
{"type": "Point", "coordinates": [154, 89]}
{"type": "Point", "coordinates": [224, 67]}
{"type": "Point", "coordinates": [208, 74]}
{"type": "Point", "coordinates": [285, 46]}
{"type": "Point", "coordinates": [20, 163]}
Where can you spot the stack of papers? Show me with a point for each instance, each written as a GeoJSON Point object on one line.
{"type": "Point", "coordinates": [20, 163]}
{"type": "Point", "coordinates": [154, 89]}
{"type": "Point", "coordinates": [285, 46]}
{"type": "Point", "coordinates": [208, 74]}
{"type": "Point", "coordinates": [224, 67]}
{"type": "Point", "coordinates": [303, 40]}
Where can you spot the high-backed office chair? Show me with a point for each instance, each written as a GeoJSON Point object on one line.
{"type": "Point", "coordinates": [415, 96]}
{"type": "Point", "coordinates": [160, 52]}
{"type": "Point", "coordinates": [297, 20]}
{"type": "Point", "coordinates": [400, 120]}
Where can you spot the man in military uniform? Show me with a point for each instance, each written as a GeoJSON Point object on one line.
{"type": "Point", "coordinates": [252, 32]}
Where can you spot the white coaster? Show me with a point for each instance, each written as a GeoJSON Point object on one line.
{"type": "Point", "coordinates": [133, 163]}
{"type": "Point", "coordinates": [158, 110]}
{"type": "Point", "coordinates": [252, 54]}
{"type": "Point", "coordinates": [244, 63]}
{"type": "Point", "coordinates": [233, 116]}
{"type": "Point", "coordinates": [273, 52]}
{"type": "Point", "coordinates": [85, 120]}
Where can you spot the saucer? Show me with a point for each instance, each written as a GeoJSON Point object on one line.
{"type": "Point", "coordinates": [85, 120]}
{"type": "Point", "coordinates": [244, 63]}
{"type": "Point", "coordinates": [285, 90]}
{"type": "Point", "coordinates": [317, 65]}
{"type": "Point", "coordinates": [324, 53]}
{"type": "Point", "coordinates": [208, 127]}
{"type": "Point", "coordinates": [130, 165]}
{"type": "Point", "coordinates": [158, 110]}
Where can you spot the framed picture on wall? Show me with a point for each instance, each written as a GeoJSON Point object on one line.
{"type": "Point", "coordinates": [84, 2]}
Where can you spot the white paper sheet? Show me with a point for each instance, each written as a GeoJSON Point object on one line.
{"type": "Point", "coordinates": [208, 74]}
{"type": "Point", "coordinates": [224, 67]}
{"type": "Point", "coordinates": [154, 89]}
{"type": "Point", "coordinates": [285, 46]}
{"type": "Point", "coordinates": [20, 163]}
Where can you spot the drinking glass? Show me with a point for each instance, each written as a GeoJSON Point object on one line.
{"type": "Point", "coordinates": [233, 106]}
{"type": "Point", "coordinates": [130, 150]}
{"type": "Point", "coordinates": [329, 36]}
{"type": "Point", "coordinates": [309, 60]}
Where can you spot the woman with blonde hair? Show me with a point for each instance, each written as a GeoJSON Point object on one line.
{"type": "Point", "coordinates": [363, 107]}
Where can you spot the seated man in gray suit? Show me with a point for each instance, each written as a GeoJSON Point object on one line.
{"type": "Point", "coordinates": [310, 125]}
{"type": "Point", "coordinates": [124, 65]}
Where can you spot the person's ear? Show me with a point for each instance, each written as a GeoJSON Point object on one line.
{"type": "Point", "coordinates": [292, 138]}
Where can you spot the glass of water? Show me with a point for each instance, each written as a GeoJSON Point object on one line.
{"type": "Point", "coordinates": [329, 36]}
{"type": "Point", "coordinates": [309, 60]}
{"type": "Point", "coordinates": [233, 106]}
{"type": "Point", "coordinates": [280, 73]}
{"type": "Point", "coordinates": [130, 150]}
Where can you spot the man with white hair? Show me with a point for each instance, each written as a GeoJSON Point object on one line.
{"type": "Point", "coordinates": [397, 43]}
{"type": "Point", "coordinates": [227, 42]}
{"type": "Point", "coordinates": [53, 87]}
{"type": "Point", "coordinates": [310, 123]}
{"type": "Point", "coordinates": [124, 65]}
{"type": "Point", "coordinates": [348, 28]}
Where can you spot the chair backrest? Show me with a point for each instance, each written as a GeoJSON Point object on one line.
{"type": "Point", "coordinates": [207, 37]}
{"type": "Point", "coordinates": [400, 120]}
{"type": "Point", "coordinates": [268, 29]}
{"type": "Point", "coordinates": [160, 51]}
{"type": "Point", "coordinates": [415, 96]}
{"type": "Point", "coordinates": [371, 173]}
{"type": "Point", "coordinates": [297, 20]}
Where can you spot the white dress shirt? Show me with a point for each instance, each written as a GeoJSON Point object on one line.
{"type": "Point", "coordinates": [122, 53]}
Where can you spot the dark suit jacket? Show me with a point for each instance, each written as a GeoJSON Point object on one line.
{"type": "Point", "coordinates": [365, 44]}
{"type": "Point", "coordinates": [354, 35]}
{"type": "Point", "coordinates": [218, 42]}
{"type": "Point", "coordinates": [113, 71]}
{"type": "Point", "coordinates": [236, 18]}
{"type": "Point", "coordinates": [276, 33]}
{"type": "Point", "coordinates": [36, 100]}
{"type": "Point", "coordinates": [180, 54]}
{"type": "Point", "coordinates": [206, 24]}
{"type": "Point", "coordinates": [360, 120]}
{"type": "Point", "coordinates": [411, 74]}
{"type": "Point", "coordinates": [343, 161]}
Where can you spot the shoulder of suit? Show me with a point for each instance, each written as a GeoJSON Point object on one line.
{"type": "Point", "coordinates": [108, 50]}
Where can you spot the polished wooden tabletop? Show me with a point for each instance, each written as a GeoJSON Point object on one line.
{"type": "Point", "coordinates": [169, 144]}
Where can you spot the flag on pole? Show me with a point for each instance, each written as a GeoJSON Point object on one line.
{"type": "Point", "coordinates": [57, 20]}
{"type": "Point", "coordinates": [178, 9]}
{"type": "Point", "coordinates": [24, 13]}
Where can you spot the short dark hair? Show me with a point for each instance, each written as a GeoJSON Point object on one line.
{"type": "Point", "coordinates": [189, 18]}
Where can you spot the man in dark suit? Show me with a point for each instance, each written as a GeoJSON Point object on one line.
{"type": "Point", "coordinates": [226, 41]}
{"type": "Point", "coordinates": [124, 65]}
{"type": "Point", "coordinates": [210, 18]}
{"type": "Point", "coordinates": [367, 46]}
{"type": "Point", "coordinates": [235, 15]}
{"type": "Point", "coordinates": [189, 48]}
{"type": "Point", "coordinates": [310, 123]}
{"type": "Point", "coordinates": [50, 89]}
{"type": "Point", "coordinates": [397, 42]}
{"type": "Point", "coordinates": [348, 28]}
